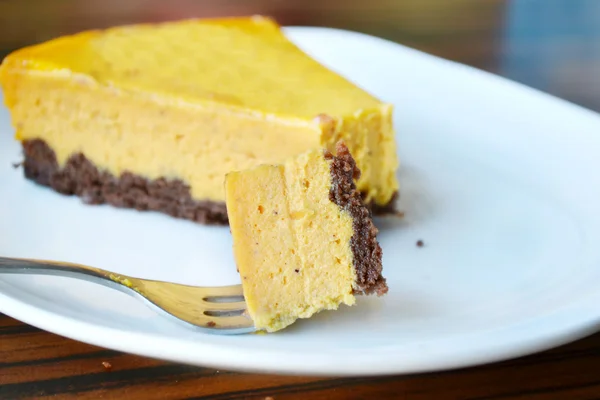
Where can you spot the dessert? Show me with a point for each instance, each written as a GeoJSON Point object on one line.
{"type": "Point", "coordinates": [153, 116]}
{"type": "Point", "coordinates": [303, 239]}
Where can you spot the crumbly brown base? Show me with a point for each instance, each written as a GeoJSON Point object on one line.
{"type": "Point", "coordinates": [365, 248]}
{"type": "Point", "coordinates": [81, 178]}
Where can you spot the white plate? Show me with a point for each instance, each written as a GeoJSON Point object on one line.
{"type": "Point", "coordinates": [500, 181]}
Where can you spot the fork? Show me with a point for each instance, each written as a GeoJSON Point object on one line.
{"type": "Point", "coordinates": [219, 309]}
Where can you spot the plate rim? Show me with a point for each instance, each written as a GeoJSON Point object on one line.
{"type": "Point", "coordinates": [270, 361]}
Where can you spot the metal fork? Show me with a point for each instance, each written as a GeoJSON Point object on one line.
{"type": "Point", "coordinates": [219, 309]}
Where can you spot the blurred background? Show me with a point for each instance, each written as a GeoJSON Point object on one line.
{"type": "Point", "coordinates": [552, 45]}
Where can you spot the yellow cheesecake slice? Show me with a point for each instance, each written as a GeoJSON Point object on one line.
{"type": "Point", "coordinates": [303, 239]}
{"type": "Point", "coordinates": [153, 116]}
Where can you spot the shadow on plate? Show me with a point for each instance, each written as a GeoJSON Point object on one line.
{"type": "Point", "coordinates": [415, 204]}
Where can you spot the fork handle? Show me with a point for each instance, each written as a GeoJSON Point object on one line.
{"type": "Point", "coordinates": [63, 269]}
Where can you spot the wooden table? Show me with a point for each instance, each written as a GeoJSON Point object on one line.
{"type": "Point", "coordinates": [37, 364]}
{"type": "Point", "coordinates": [552, 45]}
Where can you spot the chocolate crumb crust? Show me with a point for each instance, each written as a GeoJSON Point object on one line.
{"type": "Point", "coordinates": [365, 248]}
{"type": "Point", "coordinates": [81, 178]}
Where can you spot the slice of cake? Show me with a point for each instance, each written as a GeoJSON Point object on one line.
{"type": "Point", "coordinates": [153, 116]}
{"type": "Point", "coordinates": [303, 239]}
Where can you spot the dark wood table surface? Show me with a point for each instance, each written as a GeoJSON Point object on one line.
{"type": "Point", "coordinates": [552, 45]}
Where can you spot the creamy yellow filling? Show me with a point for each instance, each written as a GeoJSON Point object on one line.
{"type": "Point", "coordinates": [194, 100]}
{"type": "Point", "coordinates": [119, 132]}
{"type": "Point", "coordinates": [291, 243]}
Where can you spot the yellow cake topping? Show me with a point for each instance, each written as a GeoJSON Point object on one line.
{"type": "Point", "coordinates": [193, 100]}
{"type": "Point", "coordinates": [240, 64]}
